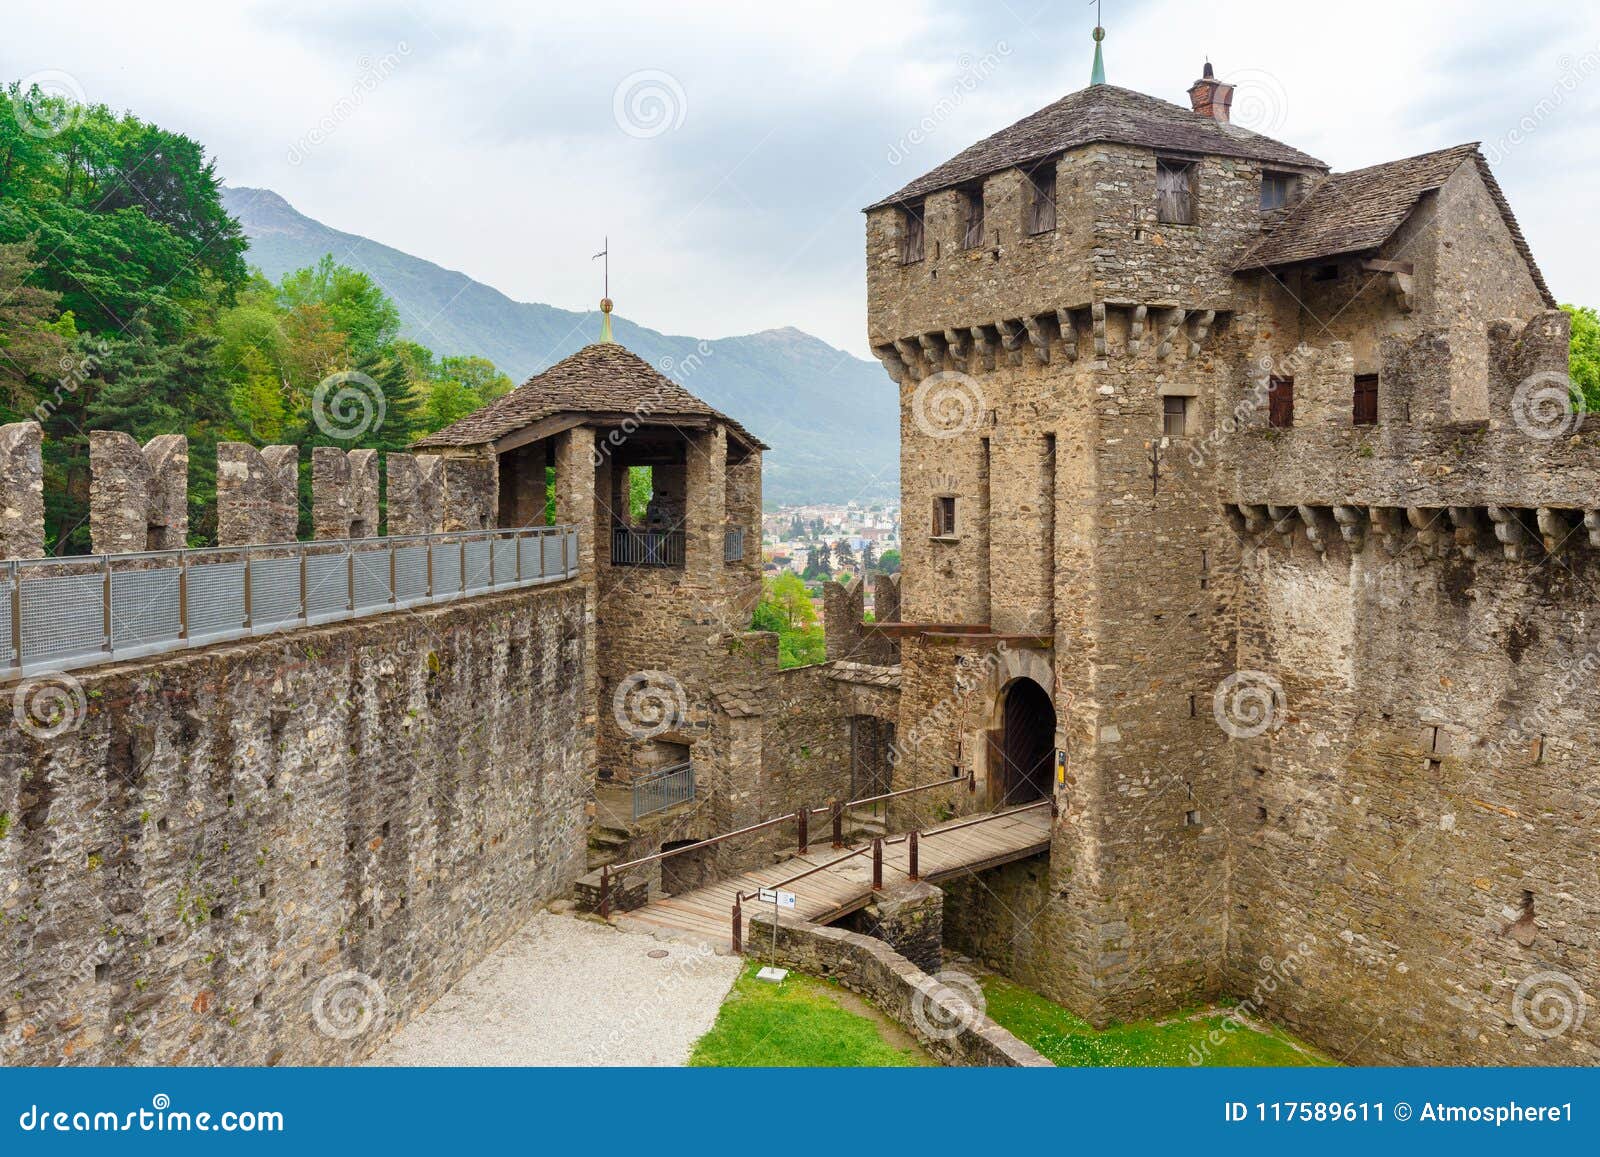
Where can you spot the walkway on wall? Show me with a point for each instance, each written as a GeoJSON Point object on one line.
{"type": "Point", "coordinates": [829, 883]}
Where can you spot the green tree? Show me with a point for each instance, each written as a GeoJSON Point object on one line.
{"type": "Point", "coordinates": [641, 489]}
{"type": "Point", "coordinates": [356, 304]}
{"type": "Point", "coordinates": [819, 563]}
{"type": "Point", "coordinates": [1586, 353]}
{"type": "Point", "coordinates": [480, 375]}
{"type": "Point", "coordinates": [889, 562]}
{"type": "Point", "coordinates": [786, 609]}
{"type": "Point", "coordinates": [31, 339]}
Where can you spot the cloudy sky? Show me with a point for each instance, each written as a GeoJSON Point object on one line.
{"type": "Point", "coordinates": [727, 148]}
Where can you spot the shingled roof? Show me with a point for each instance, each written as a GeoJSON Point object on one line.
{"type": "Point", "coordinates": [1102, 112]}
{"type": "Point", "coordinates": [1358, 211]}
{"type": "Point", "coordinates": [604, 380]}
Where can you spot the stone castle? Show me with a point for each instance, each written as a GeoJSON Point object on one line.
{"type": "Point", "coordinates": [1259, 538]}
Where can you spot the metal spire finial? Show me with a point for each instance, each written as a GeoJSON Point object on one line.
{"type": "Point", "coordinates": [605, 302]}
{"type": "Point", "coordinates": [1097, 75]}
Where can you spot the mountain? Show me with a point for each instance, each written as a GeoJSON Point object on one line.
{"type": "Point", "coordinates": [831, 419]}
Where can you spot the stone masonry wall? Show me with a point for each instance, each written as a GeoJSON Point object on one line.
{"type": "Point", "coordinates": [275, 852]}
{"type": "Point", "coordinates": [1415, 830]}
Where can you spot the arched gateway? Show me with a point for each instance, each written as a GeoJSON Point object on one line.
{"type": "Point", "coordinates": [1022, 749]}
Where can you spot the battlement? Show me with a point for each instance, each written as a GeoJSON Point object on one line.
{"type": "Point", "coordinates": [1521, 441]}
{"type": "Point", "coordinates": [138, 495]}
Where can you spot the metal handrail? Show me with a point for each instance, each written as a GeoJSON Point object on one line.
{"type": "Point", "coordinates": [113, 607]}
{"type": "Point", "coordinates": [653, 792]}
{"type": "Point", "coordinates": [618, 869]}
{"type": "Point", "coordinates": [876, 847]}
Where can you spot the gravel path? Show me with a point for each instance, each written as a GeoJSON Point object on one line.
{"type": "Point", "coordinates": [565, 991]}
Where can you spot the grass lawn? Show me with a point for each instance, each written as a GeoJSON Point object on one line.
{"type": "Point", "coordinates": [1165, 1041]}
{"type": "Point", "coordinates": [803, 1022]}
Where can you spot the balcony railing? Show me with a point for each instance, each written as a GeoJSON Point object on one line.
{"type": "Point", "coordinates": [662, 789]}
{"type": "Point", "coordinates": [82, 610]}
{"type": "Point", "coordinates": [733, 544]}
{"type": "Point", "coordinates": [633, 547]}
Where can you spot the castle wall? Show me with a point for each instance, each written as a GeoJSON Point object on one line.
{"type": "Point", "coordinates": [275, 852]}
{"type": "Point", "coordinates": [1416, 829]}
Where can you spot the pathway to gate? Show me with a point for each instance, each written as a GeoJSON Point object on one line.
{"type": "Point", "coordinates": [831, 882]}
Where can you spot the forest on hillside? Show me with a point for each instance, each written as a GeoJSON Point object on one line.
{"type": "Point", "coordinates": [126, 304]}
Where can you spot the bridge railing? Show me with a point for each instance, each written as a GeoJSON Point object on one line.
{"type": "Point", "coordinates": [801, 819]}
{"type": "Point", "coordinates": [912, 838]}
{"type": "Point", "coordinates": [78, 611]}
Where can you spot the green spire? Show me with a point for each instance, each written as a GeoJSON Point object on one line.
{"type": "Point", "coordinates": [1098, 74]}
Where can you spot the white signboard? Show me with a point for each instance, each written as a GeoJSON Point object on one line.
{"type": "Point", "coordinates": [774, 896]}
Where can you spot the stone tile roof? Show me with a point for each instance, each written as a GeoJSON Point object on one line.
{"type": "Point", "coordinates": [1102, 112]}
{"type": "Point", "coordinates": [741, 700]}
{"type": "Point", "coordinates": [1358, 211]}
{"type": "Point", "coordinates": [871, 674]}
{"type": "Point", "coordinates": [603, 379]}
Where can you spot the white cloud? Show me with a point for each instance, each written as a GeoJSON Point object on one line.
{"type": "Point", "coordinates": [492, 147]}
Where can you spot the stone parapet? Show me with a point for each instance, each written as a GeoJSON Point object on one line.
{"type": "Point", "coordinates": [935, 1013]}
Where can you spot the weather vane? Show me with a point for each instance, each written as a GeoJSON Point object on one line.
{"type": "Point", "coordinates": [605, 301]}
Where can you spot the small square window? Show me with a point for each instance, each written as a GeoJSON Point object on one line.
{"type": "Point", "coordinates": [1175, 416]}
{"type": "Point", "coordinates": [1175, 192]}
{"type": "Point", "coordinates": [1040, 216]}
{"type": "Point", "coordinates": [1191, 819]}
{"type": "Point", "coordinates": [1364, 405]}
{"type": "Point", "coordinates": [1280, 402]}
{"type": "Point", "coordinates": [1276, 189]}
{"type": "Point", "coordinates": [944, 516]}
{"type": "Point", "coordinates": [911, 238]}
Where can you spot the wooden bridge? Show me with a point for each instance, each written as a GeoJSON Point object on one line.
{"type": "Point", "coordinates": [830, 882]}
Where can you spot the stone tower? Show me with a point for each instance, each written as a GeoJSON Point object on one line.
{"type": "Point", "coordinates": [1096, 319]}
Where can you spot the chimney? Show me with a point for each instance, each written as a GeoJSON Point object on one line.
{"type": "Point", "coordinates": [1210, 97]}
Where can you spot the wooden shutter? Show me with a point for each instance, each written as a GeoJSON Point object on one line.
{"type": "Point", "coordinates": [1174, 193]}
{"type": "Point", "coordinates": [972, 234]}
{"type": "Point", "coordinates": [1042, 199]}
{"type": "Point", "coordinates": [1365, 403]}
{"type": "Point", "coordinates": [1280, 402]}
{"type": "Point", "coordinates": [911, 251]}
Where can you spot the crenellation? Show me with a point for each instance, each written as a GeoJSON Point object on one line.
{"type": "Point", "coordinates": [415, 493]}
{"type": "Point", "coordinates": [21, 490]}
{"type": "Point", "coordinates": [344, 493]}
{"type": "Point", "coordinates": [258, 496]}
